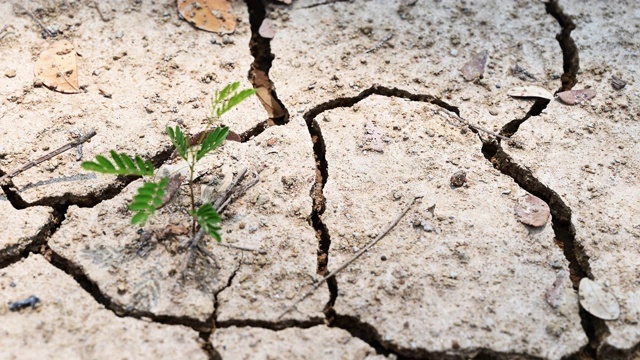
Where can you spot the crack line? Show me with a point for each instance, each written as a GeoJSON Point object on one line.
{"type": "Point", "coordinates": [570, 56]}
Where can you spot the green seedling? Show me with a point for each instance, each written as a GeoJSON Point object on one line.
{"type": "Point", "coordinates": [150, 195]}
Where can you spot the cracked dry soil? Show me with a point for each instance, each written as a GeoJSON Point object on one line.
{"type": "Point", "coordinates": [354, 121]}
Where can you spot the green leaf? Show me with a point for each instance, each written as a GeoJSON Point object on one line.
{"type": "Point", "coordinates": [228, 98]}
{"type": "Point", "coordinates": [179, 141]}
{"type": "Point", "coordinates": [222, 95]}
{"type": "Point", "coordinates": [234, 100]}
{"type": "Point", "coordinates": [140, 218]}
{"type": "Point", "coordinates": [209, 219]}
{"type": "Point", "coordinates": [212, 141]}
{"type": "Point", "coordinates": [147, 200]}
{"type": "Point", "coordinates": [124, 165]}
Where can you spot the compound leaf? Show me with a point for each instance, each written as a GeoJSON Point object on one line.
{"type": "Point", "coordinates": [179, 141]}
{"type": "Point", "coordinates": [208, 218]}
{"type": "Point", "coordinates": [124, 165]}
{"type": "Point", "coordinates": [234, 100]}
{"type": "Point", "coordinates": [212, 141]}
{"type": "Point", "coordinates": [222, 95]}
{"type": "Point", "coordinates": [147, 200]}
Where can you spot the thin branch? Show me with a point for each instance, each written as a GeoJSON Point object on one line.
{"type": "Point", "coordinates": [380, 43]}
{"type": "Point", "coordinates": [353, 258]}
{"type": "Point", "coordinates": [105, 19]}
{"type": "Point", "coordinates": [37, 20]}
{"type": "Point", "coordinates": [50, 155]}
{"type": "Point", "coordinates": [243, 248]}
{"type": "Point", "coordinates": [478, 128]}
{"type": "Point", "coordinates": [219, 204]}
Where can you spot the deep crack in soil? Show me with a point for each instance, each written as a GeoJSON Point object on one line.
{"type": "Point", "coordinates": [595, 329]}
{"type": "Point", "coordinates": [260, 48]}
{"type": "Point", "coordinates": [364, 331]}
{"type": "Point", "coordinates": [560, 219]}
{"type": "Point", "coordinates": [570, 56]}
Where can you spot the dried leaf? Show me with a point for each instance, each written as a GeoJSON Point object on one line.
{"type": "Point", "coordinates": [597, 301]}
{"type": "Point", "coordinates": [618, 83]}
{"type": "Point", "coordinates": [172, 189]}
{"type": "Point", "coordinates": [530, 91]}
{"type": "Point", "coordinates": [267, 29]}
{"type": "Point", "coordinates": [474, 69]}
{"type": "Point", "coordinates": [57, 67]}
{"type": "Point", "coordinates": [269, 102]}
{"type": "Point", "coordinates": [555, 294]}
{"type": "Point", "coordinates": [573, 97]}
{"type": "Point", "coordinates": [210, 15]}
{"type": "Point", "coordinates": [532, 211]}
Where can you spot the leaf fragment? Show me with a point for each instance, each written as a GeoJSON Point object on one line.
{"type": "Point", "coordinates": [574, 97]}
{"type": "Point", "coordinates": [474, 69]}
{"type": "Point", "coordinates": [57, 67]}
{"type": "Point", "coordinates": [267, 29]}
{"type": "Point", "coordinates": [532, 211]}
{"type": "Point", "coordinates": [597, 301]}
{"type": "Point", "coordinates": [209, 15]}
{"type": "Point", "coordinates": [530, 91]}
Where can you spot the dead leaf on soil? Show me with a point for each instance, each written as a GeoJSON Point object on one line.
{"type": "Point", "coordinates": [555, 294]}
{"type": "Point", "coordinates": [474, 69]}
{"type": "Point", "coordinates": [573, 97]}
{"type": "Point", "coordinates": [597, 301]}
{"type": "Point", "coordinates": [530, 91]}
{"type": "Point", "coordinates": [267, 29]}
{"type": "Point", "coordinates": [270, 104]}
{"type": "Point", "coordinates": [57, 67]}
{"type": "Point", "coordinates": [532, 211]}
{"type": "Point", "coordinates": [210, 15]}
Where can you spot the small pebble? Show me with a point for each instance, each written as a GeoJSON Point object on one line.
{"type": "Point", "coordinates": [458, 179]}
{"type": "Point", "coordinates": [383, 258]}
{"type": "Point", "coordinates": [119, 35]}
{"type": "Point", "coordinates": [493, 112]}
{"type": "Point", "coordinates": [227, 40]}
{"type": "Point", "coordinates": [10, 73]}
{"type": "Point", "coordinates": [454, 52]}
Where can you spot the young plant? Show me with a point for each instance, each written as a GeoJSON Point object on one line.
{"type": "Point", "coordinates": [150, 195]}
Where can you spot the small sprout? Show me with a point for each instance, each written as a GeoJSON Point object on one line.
{"type": "Point", "coordinates": [152, 195]}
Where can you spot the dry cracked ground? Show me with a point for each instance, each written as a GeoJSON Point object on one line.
{"type": "Point", "coordinates": [359, 119]}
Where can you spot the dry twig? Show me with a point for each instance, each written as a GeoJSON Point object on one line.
{"type": "Point", "coordinates": [219, 204]}
{"type": "Point", "coordinates": [352, 259]}
{"type": "Point", "coordinates": [38, 21]}
{"type": "Point", "coordinates": [476, 127]}
{"type": "Point", "coordinates": [105, 19]}
{"type": "Point", "coordinates": [380, 43]}
{"type": "Point", "coordinates": [50, 155]}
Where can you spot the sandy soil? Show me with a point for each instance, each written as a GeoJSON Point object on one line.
{"type": "Point", "coordinates": [364, 107]}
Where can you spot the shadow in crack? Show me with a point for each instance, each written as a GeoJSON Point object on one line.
{"type": "Point", "coordinates": [570, 56]}
{"type": "Point", "coordinates": [319, 201]}
{"type": "Point", "coordinates": [595, 329]}
{"type": "Point", "coordinates": [260, 48]}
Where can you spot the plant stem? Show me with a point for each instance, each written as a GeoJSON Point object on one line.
{"type": "Point", "coordinates": [192, 165]}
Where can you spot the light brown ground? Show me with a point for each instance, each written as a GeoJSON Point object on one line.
{"type": "Point", "coordinates": [372, 85]}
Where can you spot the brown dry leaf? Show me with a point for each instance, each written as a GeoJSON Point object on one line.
{"type": "Point", "coordinates": [474, 69]}
{"type": "Point", "coordinates": [270, 104]}
{"type": "Point", "coordinates": [532, 211]}
{"type": "Point", "coordinates": [210, 15]}
{"type": "Point", "coordinates": [573, 97]}
{"type": "Point", "coordinates": [57, 67]}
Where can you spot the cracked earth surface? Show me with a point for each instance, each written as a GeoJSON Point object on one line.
{"type": "Point", "coordinates": [355, 120]}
